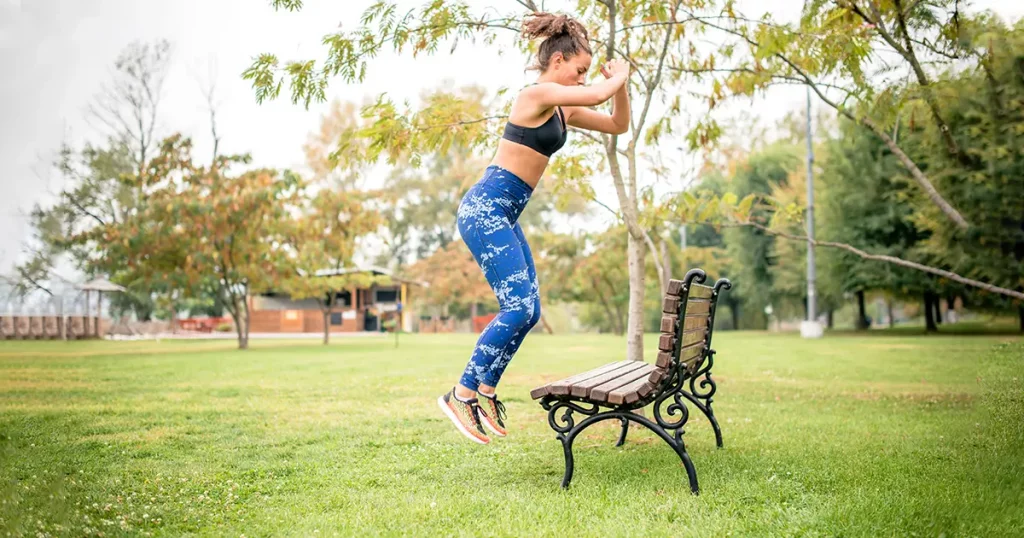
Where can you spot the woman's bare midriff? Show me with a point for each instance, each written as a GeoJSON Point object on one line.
{"type": "Point", "coordinates": [522, 161]}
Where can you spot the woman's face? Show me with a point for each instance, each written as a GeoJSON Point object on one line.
{"type": "Point", "coordinates": [571, 71]}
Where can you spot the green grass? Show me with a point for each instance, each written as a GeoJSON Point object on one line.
{"type": "Point", "coordinates": [845, 436]}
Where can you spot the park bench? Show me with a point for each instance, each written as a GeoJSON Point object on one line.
{"type": "Point", "coordinates": [681, 374]}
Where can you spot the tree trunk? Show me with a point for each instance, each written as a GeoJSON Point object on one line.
{"type": "Point", "coordinates": [327, 326]}
{"type": "Point", "coordinates": [473, 311]}
{"type": "Point", "coordinates": [734, 310]}
{"type": "Point", "coordinates": [666, 266]}
{"type": "Point", "coordinates": [236, 313]}
{"type": "Point", "coordinates": [544, 323]}
{"type": "Point", "coordinates": [1020, 314]}
{"type": "Point", "coordinates": [938, 309]}
{"type": "Point", "coordinates": [244, 344]}
{"type": "Point", "coordinates": [636, 251]}
{"type": "Point", "coordinates": [929, 313]}
{"type": "Point", "coordinates": [888, 311]}
{"type": "Point", "coordinates": [951, 308]}
{"type": "Point", "coordinates": [862, 317]}
{"type": "Point", "coordinates": [830, 318]}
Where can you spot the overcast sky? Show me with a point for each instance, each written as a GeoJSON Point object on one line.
{"type": "Point", "coordinates": [55, 54]}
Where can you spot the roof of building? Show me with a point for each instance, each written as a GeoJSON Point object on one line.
{"type": "Point", "coordinates": [370, 269]}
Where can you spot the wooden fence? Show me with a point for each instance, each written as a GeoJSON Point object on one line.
{"type": "Point", "coordinates": [43, 327]}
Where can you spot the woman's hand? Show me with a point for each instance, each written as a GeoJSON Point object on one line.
{"type": "Point", "coordinates": [615, 67]}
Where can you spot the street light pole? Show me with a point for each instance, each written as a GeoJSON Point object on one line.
{"type": "Point", "coordinates": [810, 328]}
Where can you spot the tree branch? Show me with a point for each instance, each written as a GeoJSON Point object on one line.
{"type": "Point", "coordinates": [594, 138]}
{"type": "Point", "coordinates": [906, 50]}
{"type": "Point", "coordinates": [885, 258]}
{"type": "Point", "coordinates": [788, 78]}
{"type": "Point", "coordinates": [658, 262]}
{"type": "Point", "coordinates": [528, 4]}
{"type": "Point", "coordinates": [653, 85]}
{"type": "Point", "coordinates": [461, 123]}
{"type": "Point", "coordinates": [83, 210]}
{"type": "Point", "coordinates": [907, 162]}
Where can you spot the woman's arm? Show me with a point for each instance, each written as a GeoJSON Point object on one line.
{"type": "Point", "coordinates": [552, 94]}
{"type": "Point", "coordinates": [591, 120]}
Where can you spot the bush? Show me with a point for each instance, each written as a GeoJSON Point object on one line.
{"type": "Point", "coordinates": [225, 328]}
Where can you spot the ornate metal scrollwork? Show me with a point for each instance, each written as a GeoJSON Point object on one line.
{"type": "Point", "coordinates": [702, 378]}
{"type": "Point", "coordinates": [562, 424]}
{"type": "Point", "coordinates": [676, 407]}
{"type": "Point", "coordinates": [694, 275]}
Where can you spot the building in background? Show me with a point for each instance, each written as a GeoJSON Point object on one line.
{"type": "Point", "coordinates": [355, 310]}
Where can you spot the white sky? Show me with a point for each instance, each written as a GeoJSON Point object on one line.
{"type": "Point", "coordinates": [55, 54]}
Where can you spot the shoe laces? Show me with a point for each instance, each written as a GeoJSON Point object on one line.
{"type": "Point", "coordinates": [474, 408]}
{"type": "Point", "coordinates": [500, 407]}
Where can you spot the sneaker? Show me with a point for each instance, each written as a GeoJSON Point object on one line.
{"type": "Point", "coordinates": [492, 414]}
{"type": "Point", "coordinates": [465, 416]}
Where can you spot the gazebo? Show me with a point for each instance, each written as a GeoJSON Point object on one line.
{"type": "Point", "coordinates": [98, 285]}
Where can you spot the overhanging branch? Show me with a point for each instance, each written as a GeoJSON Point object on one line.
{"type": "Point", "coordinates": [885, 258]}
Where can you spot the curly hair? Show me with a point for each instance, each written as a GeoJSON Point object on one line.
{"type": "Point", "coordinates": [561, 33]}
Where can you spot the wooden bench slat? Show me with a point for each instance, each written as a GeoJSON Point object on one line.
{"type": "Point", "coordinates": [582, 388]}
{"type": "Point", "coordinates": [692, 337]}
{"type": "Point", "coordinates": [688, 353]}
{"type": "Point", "coordinates": [564, 383]}
{"type": "Point", "coordinates": [696, 306]}
{"type": "Point", "coordinates": [562, 386]}
{"type": "Point", "coordinates": [601, 392]}
{"type": "Point", "coordinates": [671, 305]}
{"type": "Point", "coordinates": [667, 342]}
{"type": "Point", "coordinates": [619, 395]}
{"type": "Point", "coordinates": [657, 375]}
{"type": "Point", "coordinates": [644, 391]}
{"type": "Point", "coordinates": [664, 360]}
{"type": "Point", "coordinates": [675, 287]}
{"type": "Point", "coordinates": [699, 291]}
{"type": "Point", "coordinates": [699, 321]}
{"type": "Point", "coordinates": [668, 323]}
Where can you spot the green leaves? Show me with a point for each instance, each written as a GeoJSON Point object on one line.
{"type": "Point", "coordinates": [264, 81]}
{"type": "Point", "coordinates": [290, 5]}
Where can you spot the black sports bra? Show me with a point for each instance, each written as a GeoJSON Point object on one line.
{"type": "Point", "coordinates": [545, 139]}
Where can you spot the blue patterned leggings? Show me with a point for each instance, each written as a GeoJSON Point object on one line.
{"type": "Point", "coordinates": [487, 220]}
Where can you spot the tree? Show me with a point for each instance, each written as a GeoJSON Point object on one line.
{"type": "Point", "coordinates": [202, 221]}
{"type": "Point", "coordinates": [126, 113]}
{"type": "Point", "coordinates": [983, 119]}
{"type": "Point", "coordinates": [321, 148]}
{"type": "Point", "coordinates": [321, 242]}
{"type": "Point", "coordinates": [648, 34]}
{"type": "Point", "coordinates": [454, 279]}
{"type": "Point", "coordinates": [833, 50]}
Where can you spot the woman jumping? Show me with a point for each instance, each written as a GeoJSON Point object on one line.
{"type": "Point", "coordinates": [488, 213]}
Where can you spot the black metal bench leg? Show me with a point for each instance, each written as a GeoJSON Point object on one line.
{"type": "Point", "coordinates": [708, 412]}
{"type": "Point", "coordinates": [622, 436]}
{"type": "Point", "coordinates": [567, 434]}
{"type": "Point", "coordinates": [569, 467]}
{"type": "Point", "coordinates": [714, 425]}
{"type": "Point", "coordinates": [691, 471]}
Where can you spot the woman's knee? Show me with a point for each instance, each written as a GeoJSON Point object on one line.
{"type": "Point", "coordinates": [515, 320]}
{"type": "Point", "coordinates": [534, 315]}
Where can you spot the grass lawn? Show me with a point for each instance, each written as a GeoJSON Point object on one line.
{"type": "Point", "coordinates": [846, 436]}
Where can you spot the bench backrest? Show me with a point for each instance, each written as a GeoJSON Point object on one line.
{"type": "Point", "coordinates": [688, 317]}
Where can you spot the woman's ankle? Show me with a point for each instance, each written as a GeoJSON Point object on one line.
{"type": "Point", "coordinates": [464, 393]}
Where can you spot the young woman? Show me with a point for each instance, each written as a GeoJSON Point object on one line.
{"type": "Point", "coordinates": [488, 214]}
